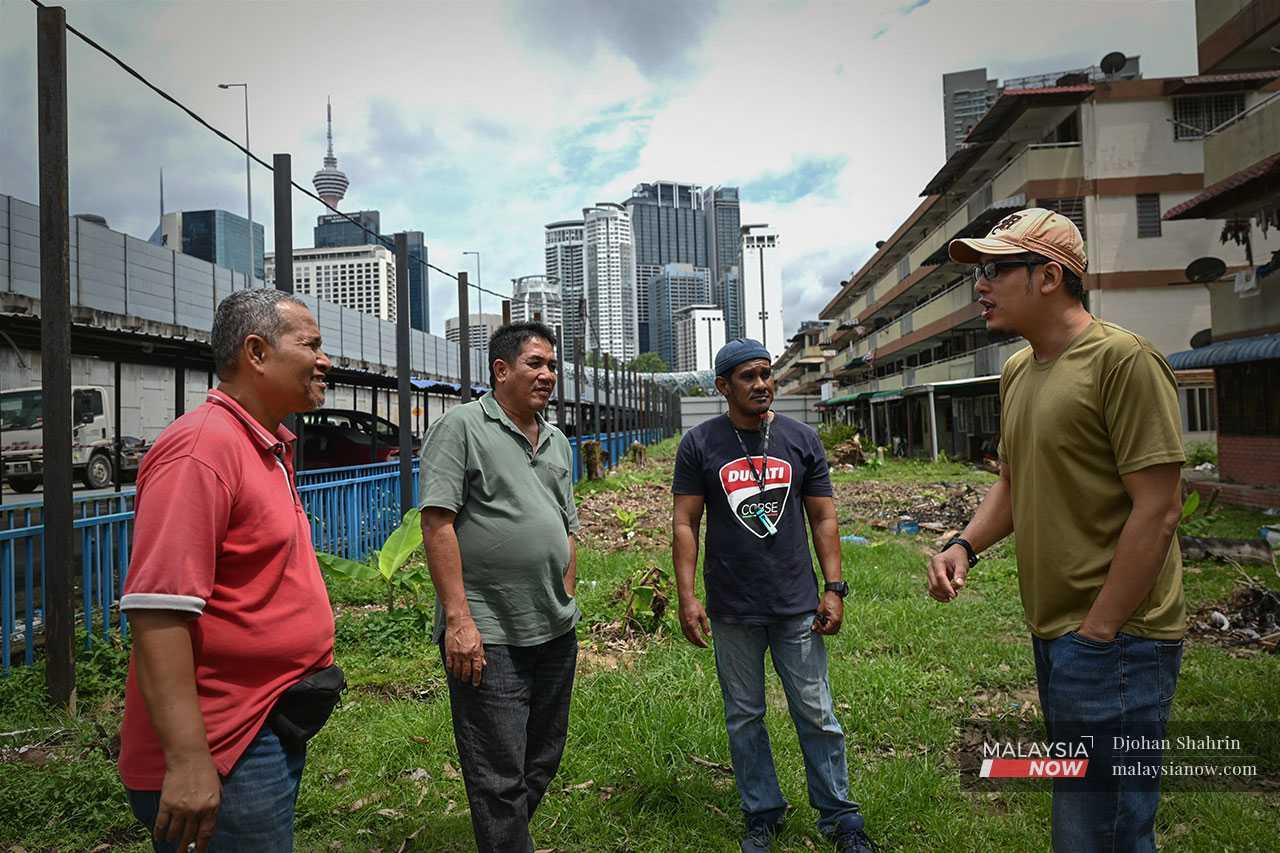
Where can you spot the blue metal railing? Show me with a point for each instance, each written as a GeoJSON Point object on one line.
{"type": "Point", "coordinates": [352, 511]}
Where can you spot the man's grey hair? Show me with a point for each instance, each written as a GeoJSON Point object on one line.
{"type": "Point", "coordinates": [245, 313]}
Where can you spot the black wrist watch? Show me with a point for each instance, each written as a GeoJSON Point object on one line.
{"type": "Point", "coordinates": [840, 588]}
{"type": "Point", "coordinates": [968, 549]}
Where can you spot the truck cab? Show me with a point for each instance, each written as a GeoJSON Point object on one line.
{"type": "Point", "coordinates": [92, 438]}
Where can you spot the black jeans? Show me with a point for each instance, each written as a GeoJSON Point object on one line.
{"type": "Point", "coordinates": [510, 734]}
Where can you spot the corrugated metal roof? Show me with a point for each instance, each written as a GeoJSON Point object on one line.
{"type": "Point", "coordinates": [1237, 351]}
{"type": "Point", "coordinates": [1188, 209]}
{"type": "Point", "coordinates": [1234, 82]}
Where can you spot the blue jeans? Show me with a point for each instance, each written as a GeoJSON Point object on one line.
{"type": "Point", "coordinates": [1124, 687]}
{"type": "Point", "coordinates": [258, 797]}
{"type": "Point", "coordinates": [800, 658]}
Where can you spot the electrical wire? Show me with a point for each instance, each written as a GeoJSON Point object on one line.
{"type": "Point", "coordinates": [132, 72]}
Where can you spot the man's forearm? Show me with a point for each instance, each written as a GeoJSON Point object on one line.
{"type": "Point", "coordinates": [571, 571]}
{"type": "Point", "coordinates": [826, 542]}
{"type": "Point", "coordinates": [684, 557]}
{"type": "Point", "coordinates": [1140, 556]}
{"type": "Point", "coordinates": [994, 519]}
{"type": "Point", "coordinates": [444, 561]}
{"type": "Point", "coordinates": [166, 675]}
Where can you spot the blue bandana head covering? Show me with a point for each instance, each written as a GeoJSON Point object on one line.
{"type": "Point", "coordinates": [738, 351]}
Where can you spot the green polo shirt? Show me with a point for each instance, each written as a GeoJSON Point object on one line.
{"type": "Point", "coordinates": [515, 513]}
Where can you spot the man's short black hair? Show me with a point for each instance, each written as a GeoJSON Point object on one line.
{"type": "Point", "coordinates": [509, 340]}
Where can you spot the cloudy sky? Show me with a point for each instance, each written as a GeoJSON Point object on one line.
{"type": "Point", "coordinates": [480, 122]}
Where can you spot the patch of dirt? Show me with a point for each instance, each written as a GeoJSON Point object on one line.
{"type": "Point", "coordinates": [1249, 619]}
{"type": "Point", "coordinates": [937, 507]}
{"type": "Point", "coordinates": [636, 517]}
{"type": "Point", "coordinates": [610, 646]}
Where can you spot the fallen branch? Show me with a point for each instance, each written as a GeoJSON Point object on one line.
{"type": "Point", "coordinates": [1253, 551]}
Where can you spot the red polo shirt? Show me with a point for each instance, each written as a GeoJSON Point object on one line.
{"type": "Point", "coordinates": [220, 534]}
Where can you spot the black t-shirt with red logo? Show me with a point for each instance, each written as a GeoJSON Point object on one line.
{"type": "Point", "coordinates": [752, 577]}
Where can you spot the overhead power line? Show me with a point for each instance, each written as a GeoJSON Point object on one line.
{"type": "Point", "coordinates": [133, 72]}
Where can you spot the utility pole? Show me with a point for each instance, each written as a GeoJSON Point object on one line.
{"type": "Point", "coordinates": [55, 352]}
{"type": "Point", "coordinates": [404, 393]}
{"type": "Point", "coordinates": [560, 369]}
{"type": "Point", "coordinates": [464, 339]}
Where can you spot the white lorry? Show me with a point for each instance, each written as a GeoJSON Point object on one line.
{"type": "Point", "coordinates": [92, 438]}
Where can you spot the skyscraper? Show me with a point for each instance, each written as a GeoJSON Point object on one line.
{"type": "Point", "coordinates": [966, 96]}
{"type": "Point", "coordinates": [362, 278]}
{"type": "Point", "coordinates": [724, 253]}
{"type": "Point", "coordinates": [334, 230]}
{"type": "Point", "coordinates": [537, 297]}
{"type": "Point", "coordinates": [762, 288]}
{"type": "Point", "coordinates": [699, 333]}
{"type": "Point", "coordinates": [480, 329]}
{"type": "Point", "coordinates": [217, 236]}
{"type": "Point", "coordinates": [609, 280]}
{"type": "Point", "coordinates": [668, 225]}
{"type": "Point", "coordinates": [564, 265]}
{"type": "Point", "coordinates": [671, 289]}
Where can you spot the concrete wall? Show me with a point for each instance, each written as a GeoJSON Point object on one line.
{"type": "Point", "coordinates": [1167, 317]}
{"type": "Point", "coordinates": [1235, 316]}
{"type": "Point", "coordinates": [695, 410]}
{"type": "Point", "coordinates": [1124, 139]}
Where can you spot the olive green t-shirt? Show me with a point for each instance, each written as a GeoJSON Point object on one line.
{"type": "Point", "coordinates": [1070, 428]}
{"type": "Point", "coordinates": [515, 513]}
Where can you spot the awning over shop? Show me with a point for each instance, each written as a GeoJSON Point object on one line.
{"type": "Point", "coordinates": [1243, 189]}
{"type": "Point", "coordinates": [436, 386]}
{"type": "Point", "coordinates": [1237, 351]}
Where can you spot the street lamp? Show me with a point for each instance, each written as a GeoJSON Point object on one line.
{"type": "Point", "coordinates": [248, 181]}
{"type": "Point", "coordinates": [484, 346]}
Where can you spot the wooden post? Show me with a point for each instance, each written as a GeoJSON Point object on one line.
{"type": "Point", "coordinates": [55, 352]}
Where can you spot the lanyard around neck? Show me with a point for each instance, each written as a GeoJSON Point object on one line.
{"type": "Point", "coordinates": [758, 476]}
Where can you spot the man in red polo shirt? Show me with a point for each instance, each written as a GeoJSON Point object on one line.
{"type": "Point", "coordinates": [224, 595]}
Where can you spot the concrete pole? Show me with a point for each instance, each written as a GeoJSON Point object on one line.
{"type": "Point", "coordinates": [404, 391]}
{"type": "Point", "coordinates": [464, 339]}
{"type": "Point", "coordinates": [933, 428]}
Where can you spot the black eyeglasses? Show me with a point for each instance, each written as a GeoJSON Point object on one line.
{"type": "Point", "coordinates": [991, 269]}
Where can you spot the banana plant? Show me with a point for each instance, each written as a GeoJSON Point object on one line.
{"type": "Point", "coordinates": [388, 561]}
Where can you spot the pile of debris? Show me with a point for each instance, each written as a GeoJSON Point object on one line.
{"type": "Point", "coordinates": [937, 508]}
{"type": "Point", "coordinates": [848, 452]}
{"type": "Point", "coordinates": [636, 517]}
{"type": "Point", "coordinates": [1249, 618]}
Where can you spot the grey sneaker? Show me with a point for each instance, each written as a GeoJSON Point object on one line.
{"type": "Point", "coordinates": [759, 837]}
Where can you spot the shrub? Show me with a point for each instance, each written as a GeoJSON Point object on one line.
{"type": "Point", "coordinates": [1199, 452]}
{"type": "Point", "coordinates": [833, 435]}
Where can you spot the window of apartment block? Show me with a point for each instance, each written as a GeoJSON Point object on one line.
{"type": "Point", "coordinates": [1071, 207]}
{"type": "Point", "coordinates": [1249, 398]}
{"type": "Point", "coordinates": [904, 267]}
{"type": "Point", "coordinates": [1200, 410]}
{"type": "Point", "coordinates": [1149, 215]}
{"type": "Point", "coordinates": [1196, 115]}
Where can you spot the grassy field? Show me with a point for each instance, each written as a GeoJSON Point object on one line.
{"type": "Point", "coordinates": [645, 768]}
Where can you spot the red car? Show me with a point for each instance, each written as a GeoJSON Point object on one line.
{"type": "Point", "coordinates": [338, 438]}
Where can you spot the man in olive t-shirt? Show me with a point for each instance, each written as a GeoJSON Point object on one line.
{"type": "Point", "coordinates": [1090, 476]}
{"type": "Point", "coordinates": [498, 522]}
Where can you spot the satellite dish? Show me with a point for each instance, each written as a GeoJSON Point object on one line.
{"type": "Point", "coordinates": [879, 243]}
{"type": "Point", "coordinates": [1205, 270]}
{"type": "Point", "coordinates": [1202, 338]}
{"type": "Point", "coordinates": [1113, 63]}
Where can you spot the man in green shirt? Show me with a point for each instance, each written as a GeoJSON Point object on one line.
{"type": "Point", "coordinates": [498, 522]}
{"type": "Point", "coordinates": [1090, 471]}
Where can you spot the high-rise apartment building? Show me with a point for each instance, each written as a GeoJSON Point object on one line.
{"type": "Point", "coordinates": [334, 229]}
{"type": "Point", "coordinates": [672, 288]}
{"type": "Point", "coordinates": [762, 288]}
{"type": "Point", "coordinates": [362, 278]}
{"type": "Point", "coordinates": [724, 253]}
{"type": "Point", "coordinates": [966, 96]}
{"type": "Point", "coordinates": [537, 298]}
{"type": "Point", "coordinates": [668, 225]}
{"type": "Point", "coordinates": [609, 281]}
{"type": "Point", "coordinates": [217, 236]}
{"type": "Point", "coordinates": [699, 334]}
{"type": "Point", "coordinates": [564, 265]}
{"type": "Point", "coordinates": [479, 329]}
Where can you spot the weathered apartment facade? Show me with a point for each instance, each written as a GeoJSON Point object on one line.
{"type": "Point", "coordinates": [914, 365]}
{"type": "Point", "coordinates": [1242, 187]}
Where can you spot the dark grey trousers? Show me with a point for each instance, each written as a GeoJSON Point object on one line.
{"type": "Point", "coordinates": [510, 733]}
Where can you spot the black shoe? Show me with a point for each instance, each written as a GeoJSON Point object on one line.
{"type": "Point", "coordinates": [759, 837]}
{"type": "Point", "coordinates": [854, 841]}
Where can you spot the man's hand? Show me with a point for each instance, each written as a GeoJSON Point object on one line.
{"type": "Point", "coordinates": [1096, 633]}
{"type": "Point", "coordinates": [464, 650]}
{"type": "Point", "coordinates": [189, 799]}
{"type": "Point", "coordinates": [694, 621]}
{"type": "Point", "coordinates": [947, 573]}
{"type": "Point", "coordinates": [830, 615]}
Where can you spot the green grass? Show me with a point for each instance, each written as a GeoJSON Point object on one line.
{"type": "Point", "coordinates": [904, 671]}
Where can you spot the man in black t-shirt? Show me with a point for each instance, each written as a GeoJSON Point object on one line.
{"type": "Point", "coordinates": [758, 474]}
